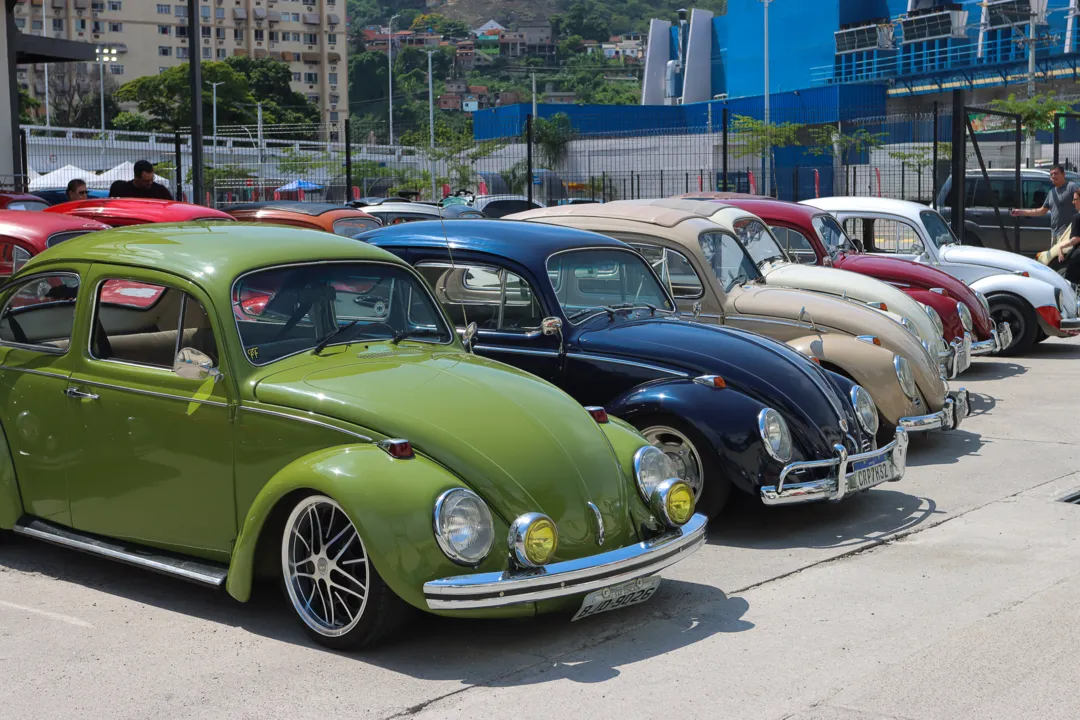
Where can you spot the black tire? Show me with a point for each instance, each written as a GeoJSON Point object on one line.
{"type": "Point", "coordinates": [716, 487]}
{"type": "Point", "coordinates": [886, 431]}
{"type": "Point", "coordinates": [1040, 336]}
{"type": "Point", "coordinates": [1021, 318]}
{"type": "Point", "coordinates": [380, 612]}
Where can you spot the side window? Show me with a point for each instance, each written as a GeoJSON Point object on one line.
{"type": "Point", "coordinates": [147, 324]}
{"type": "Point", "coordinates": [12, 258]}
{"type": "Point", "coordinates": [796, 245]}
{"type": "Point", "coordinates": [41, 313]}
{"type": "Point", "coordinates": [681, 277]}
{"type": "Point", "coordinates": [493, 298]}
{"type": "Point", "coordinates": [894, 236]}
{"type": "Point", "coordinates": [855, 227]}
{"type": "Point", "coordinates": [1035, 192]}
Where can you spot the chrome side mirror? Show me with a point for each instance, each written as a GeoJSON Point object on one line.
{"type": "Point", "coordinates": [697, 309]}
{"type": "Point", "coordinates": [469, 337]}
{"type": "Point", "coordinates": [551, 326]}
{"type": "Point", "coordinates": [192, 364]}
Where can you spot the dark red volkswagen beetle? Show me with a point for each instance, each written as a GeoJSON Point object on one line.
{"type": "Point", "coordinates": [118, 212]}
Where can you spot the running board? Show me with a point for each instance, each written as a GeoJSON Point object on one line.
{"type": "Point", "coordinates": [197, 571]}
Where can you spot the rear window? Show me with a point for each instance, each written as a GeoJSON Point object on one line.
{"type": "Point", "coordinates": [501, 208]}
{"type": "Point", "coordinates": [58, 238]}
{"type": "Point", "coordinates": [28, 205]}
{"type": "Point", "coordinates": [354, 226]}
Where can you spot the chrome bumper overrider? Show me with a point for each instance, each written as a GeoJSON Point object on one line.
{"type": "Point", "coordinates": [949, 417]}
{"type": "Point", "coordinates": [829, 488]}
{"type": "Point", "coordinates": [957, 358]}
{"type": "Point", "coordinates": [1070, 324]}
{"type": "Point", "coordinates": [570, 577]}
{"type": "Point", "coordinates": [1001, 337]}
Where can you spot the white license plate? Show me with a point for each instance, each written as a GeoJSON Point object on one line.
{"type": "Point", "coordinates": [870, 473]}
{"type": "Point", "coordinates": [617, 596]}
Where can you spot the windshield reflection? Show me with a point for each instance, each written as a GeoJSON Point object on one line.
{"type": "Point", "coordinates": [590, 282]}
{"type": "Point", "coordinates": [834, 237]}
{"type": "Point", "coordinates": [939, 231]}
{"type": "Point", "coordinates": [758, 241]}
{"type": "Point", "coordinates": [727, 259]}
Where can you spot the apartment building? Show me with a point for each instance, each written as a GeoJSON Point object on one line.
{"type": "Point", "coordinates": [310, 35]}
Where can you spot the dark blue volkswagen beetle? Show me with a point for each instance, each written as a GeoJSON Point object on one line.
{"type": "Point", "coordinates": [587, 313]}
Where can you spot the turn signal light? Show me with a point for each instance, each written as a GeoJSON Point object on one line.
{"type": "Point", "coordinates": [711, 381]}
{"type": "Point", "coordinates": [397, 448]}
{"type": "Point", "coordinates": [869, 339]}
{"type": "Point", "coordinates": [815, 360]}
{"type": "Point", "coordinates": [599, 414]}
{"type": "Point", "coordinates": [879, 305]}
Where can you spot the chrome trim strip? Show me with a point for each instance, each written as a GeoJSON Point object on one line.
{"type": "Point", "coordinates": [310, 421]}
{"type": "Point", "coordinates": [151, 393]}
{"type": "Point", "coordinates": [46, 349]}
{"type": "Point", "coordinates": [28, 371]}
{"type": "Point", "coordinates": [517, 351]}
{"type": "Point", "coordinates": [188, 569]}
{"type": "Point", "coordinates": [1070, 323]}
{"type": "Point", "coordinates": [830, 488]}
{"type": "Point", "coordinates": [602, 358]}
{"type": "Point", "coordinates": [772, 321]}
{"type": "Point", "coordinates": [987, 347]}
{"type": "Point", "coordinates": [567, 578]}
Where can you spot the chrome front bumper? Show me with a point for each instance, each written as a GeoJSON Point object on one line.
{"type": "Point", "coordinates": [829, 488]}
{"type": "Point", "coordinates": [1070, 325]}
{"type": "Point", "coordinates": [1001, 337]}
{"type": "Point", "coordinates": [957, 407]}
{"type": "Point", "coordinates": [570, 577]}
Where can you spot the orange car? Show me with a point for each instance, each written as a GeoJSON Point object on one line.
{"type": "Point", "coordinates": [337, 219]}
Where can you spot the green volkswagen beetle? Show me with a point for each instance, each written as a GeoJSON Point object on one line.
{"type": "Point", "coordinates": [221, 402]}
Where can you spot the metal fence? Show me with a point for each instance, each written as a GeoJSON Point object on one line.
{"type": "Point", "coordinates": [796, 157]}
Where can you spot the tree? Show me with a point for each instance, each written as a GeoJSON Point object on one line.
{"type": "Point", "coordinates": [572, 45]}
{"type": "Point", "coordinates": [304, 164]}
{"type": "Point", "coordinates": [269, 82]}
{"type": "Point", "coordinates": [587, 19]}
{"type": "Point", "coordinates": [133, 122]}
{"type": "Point", "coordinates": [27, 106]}
{"type": "Point", "coordinates": [439, 24]}
{"type": "Point", "coordinates": [828, 139]}
{"type": "Point", "coordinates": [410, 59]}
{"type": "Point", "coordinates": [166, 97]}
{"type": "Point", "coordinates": [368, 77]}
{"type": "Point", "coordinates": [74, 96]}
{"type": "Point", "coordinates": [1036, 113]}
{"type": "Point", "coordinates": [754, 138]}
{"type": "Point", "coordinates": [552, 137]}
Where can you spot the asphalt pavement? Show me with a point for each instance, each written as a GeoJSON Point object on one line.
{"type": "Point", "coordinates": [954, 593]}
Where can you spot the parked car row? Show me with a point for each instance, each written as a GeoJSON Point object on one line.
{"type": "Point", "coordinates": [471, 418]}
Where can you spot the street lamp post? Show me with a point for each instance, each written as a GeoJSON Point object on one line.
{"type": "Point", "coordinates": [214, 85]}
{"type": "Point", "coordinates": [768, 144]}
{"type": "Point", "coordinates": [431, 121]}
{"type": "Point", "coordinates": [104, 55]}
{"type": "Point", "coordinates": [390, 68]}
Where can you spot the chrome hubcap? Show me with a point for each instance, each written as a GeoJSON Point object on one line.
{"type": "Point", "coordinates": [682, 453]}
{"type": "Point", "coordinates": [325, 566]}
{"type": "Point", "coordinates": [1012, 319]}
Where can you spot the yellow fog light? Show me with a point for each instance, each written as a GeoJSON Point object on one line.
{"type": "Point", "coordinates": [533, 539]}
{"type": "Point", "coordinates": [673, 500]}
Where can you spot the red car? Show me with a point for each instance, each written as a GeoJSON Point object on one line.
{"type": "Point", "coordinates": [21, 201]}
{"type": "Point", "coordinates": [24, 235]}
{"type": "Point", "coordinates": [118, 212]}
{"type": "Point", "coordinates": [796, 227]}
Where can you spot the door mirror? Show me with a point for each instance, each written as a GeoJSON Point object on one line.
{"type": "Point", "coordinates": [192, 364]}
{"type": "Point", "coordinates": [551, 326]}
{"type": "Point", "coordinates": [470, 336]}
{"type": "Point", "coordinates": [917, 248]}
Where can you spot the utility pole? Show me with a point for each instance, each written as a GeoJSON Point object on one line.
{"type": "Point", "coordinates": [390, 68]}
{"type": "Point", "coordinates": [259, 135]}
{"type": "Point", "coordinates": [768, 145]}
{"type": "Point", "coordinates": [47, 121]}
{"type": "Point", "coordinates": [104, 55]}
{"type": "Point", "coordinates": [1031, 77]}
{"type": "Point", "coordinates": [534, 94]}
{"type": "Point", "coordinates": [431, 120]}
{"type": "Point", "coordinates": [215, 87]}
{"type": "Point", "coordinates": [195, 80]}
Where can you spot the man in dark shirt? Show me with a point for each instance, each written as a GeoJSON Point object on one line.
{"type": "Point", "coordinates": [1065, 257]}
{"type": "Point", "coordinates": [142, 186]}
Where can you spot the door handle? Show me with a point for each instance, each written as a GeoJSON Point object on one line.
{"type": "Point", "coordinates": [79, 394]}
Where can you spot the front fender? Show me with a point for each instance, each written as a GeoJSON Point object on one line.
{"type": "Point", "coordinates": [1037, 292]}
{"type": "Point", "coordinates": [725, 417]}
{"type": "Point", "coordinates": [945, 306]}
{"type": "Point", "coordinates": [11, 507]}
{"type": "Point", "coordinates": [389, 501]}
{"type": "Point", "coordinates": [870, 366]}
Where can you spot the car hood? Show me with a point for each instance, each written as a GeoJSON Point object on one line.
{"type": "Point", "coordinates": [860, 288]}
{"type": "Point", "coordinates": [1008, 262]}
{"type": "Point", "coordinates": [521, 443]}
{"type": "Point", "coordinates": [847, 318]}
{"type": "Point", "coordinates": [919, 275]}
{"type": "Point", "coordinates": [768, 371]}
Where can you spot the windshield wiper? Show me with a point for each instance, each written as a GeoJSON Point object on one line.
{"type": "Point", "coordinates": [404, 334]}
{"type": "Point", "coordinates": [330, 336]}
{"type": "Point", "coordinates": [586, 311]}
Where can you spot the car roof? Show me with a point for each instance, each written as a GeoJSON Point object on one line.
{"type": "Point", "coordinates": [525, 243]}
{"type": "Point", "coordinates": [399, 206]}
{"type": "Point", "coordinates": [296, 206]}
{"type": "Point", "coordinates": [39, 226]}
{"type": "Point", "coordinates": [210, 252]}
{"type": "Point", "coordinates": [145, 210]}
{"type": "Point", "coordinates": [868, 204]}
{"type": "Point", "coordinates": [772, 209]}
{"type": "Point", "coordinates": [666, 213]}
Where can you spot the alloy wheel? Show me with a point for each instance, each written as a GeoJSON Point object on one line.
{"type": "Point", "coordinates": [325, 567]}
{"type": "Point", "coordinates": [683, 454]}
{"type": "Point", "coordinates": [1009, 315]}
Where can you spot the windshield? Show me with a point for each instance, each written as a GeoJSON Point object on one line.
{"type": "Point", "coordinates": [288, 310]}
{"type": "Point", "coordinates": [937, 228]}
{"type": "Point", "coordinates": [729, 262]}
{"type": "Point", "coordinates": [587, 282]}
{"type": "Point", "coordinates": [759, 242]}
{"type": "Point", "coordinates": [833, 236]}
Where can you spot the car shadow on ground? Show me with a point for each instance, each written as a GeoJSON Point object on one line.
{"type": "Point", "coordinates": [1055, 348]}
{"type": "Point", "coordinates": [996, 369]}
{"type": "Point", "coordinates": [942, 448]}
{"type": "Point", "coordinates": [980, 404]}
{"type": "Point", "coordinates": [475, 652]}
{"type": "Point", "coordinates": [867, 517]}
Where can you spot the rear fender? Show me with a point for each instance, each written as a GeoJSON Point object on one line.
{"type": "Point", "coordinates": [725, 417]}
{"type": "Point", "coordinates": [1035, 292]}
{"type": "Point", "coordinates": [11, 507]}
{"type": "Point", "coordinates": [389, 501]}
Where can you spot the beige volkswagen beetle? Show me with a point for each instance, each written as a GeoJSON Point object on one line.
{"type": "Point", "coordinates": [713, 277]}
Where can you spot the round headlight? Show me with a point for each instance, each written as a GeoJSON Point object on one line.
{"type": "Point", "coordinates": [652, 467]}
{"type": "Point", "coordinates": [673, 500]}
{"type": "Point", "coordinates": [865, 410]}
{"type": "Point", "coordinates": [463, 526]}
{"type": "Point", "coordinates": [904, 375]}
{"type": "Point", "coordinates": [965, 316]}
{"type": "Point", "coordinates": [533, 539]}
{"type": "Point", "coordinates": [936, 319]}
{"type": "Point", "coordinates": [774, 432]}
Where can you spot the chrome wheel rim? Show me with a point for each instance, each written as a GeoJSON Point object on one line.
{"type": "Point", "coordinates": [1011, 318]}
{"type": "Point", "coordinates": [682, 452]}
{"type": "Point", "coordinates": [325, 566]}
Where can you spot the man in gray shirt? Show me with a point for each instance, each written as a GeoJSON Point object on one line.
{"type": "Point", "coordinates": [1059, 203]}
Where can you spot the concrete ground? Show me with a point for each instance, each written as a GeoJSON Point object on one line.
{"type": "Point", "coordinates": [954, 593]}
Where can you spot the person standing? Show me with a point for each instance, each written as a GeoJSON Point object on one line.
{"type": "Point", "coordinates": [141, 186]}
{"type": "Point", "coordinates": [1063, 257]}
{"type": "Point", "coordinates": [76, 190]}
{"type": "Point", "coordinates": [1059, 203]}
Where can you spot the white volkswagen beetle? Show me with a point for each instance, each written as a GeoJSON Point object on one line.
{"type": "Point", "coordinates": [1034, 300]}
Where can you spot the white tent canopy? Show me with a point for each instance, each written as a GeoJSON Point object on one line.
{"type": "Point", "coordinates": [123, 171]}
{"type": "Point", "coordinates": [60, 178]}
